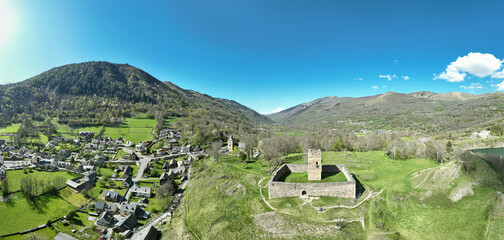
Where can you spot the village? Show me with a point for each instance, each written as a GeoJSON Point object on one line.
{"type": "Point", "coordinates": [120, 179]}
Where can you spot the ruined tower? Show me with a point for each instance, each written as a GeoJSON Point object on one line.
{"type": "Point", "coordinates": [314, 164]}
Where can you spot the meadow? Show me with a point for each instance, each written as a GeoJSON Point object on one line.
{"type": "Point", "coordinates": [14, 176]}
{"type": "Point", "coordinates": [23, 214]}
{"type": "Point", "coordinates": [401, 198]}
{"type": "Point", "coordinates": [132, 129]}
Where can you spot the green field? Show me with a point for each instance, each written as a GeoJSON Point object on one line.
{"type": "Point", "coordinates": [23, 214]}
{"type": "Point", "coordinates": [401, 199]}
{"type": "Point", "coordinates": [132, 129]}
{"type": "Point", "coordinates": [14, 177]}
{"type": "Point", "coordinates": [73, 198]}
{"type": "Point", "coordinates": [303, 177]}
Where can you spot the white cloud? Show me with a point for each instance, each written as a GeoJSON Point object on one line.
{"type": "Point", "coordinates": [500, 86]}
{"type": "Point", "coordinates": [388, 76]}
{"type": "Point", "coordinates": [472, 86]}
{"type": "Point", "coordinates": [478, 64]}
{"type": "Point", "coordinates": [273, 111]}
{"type": "Point", "coordinates": [374, 87]}
{"type": "Point", "coordinates": [499, 75]}
{"type": "Point", "coordinates": [358, 79]}
{"type": "Point", "coordinates": [405, 78]}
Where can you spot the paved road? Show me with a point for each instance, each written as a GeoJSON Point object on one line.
{"type": "Point", "coordinates": [144, 162]}
{"type": "Point", "coordinates": [174, 204]}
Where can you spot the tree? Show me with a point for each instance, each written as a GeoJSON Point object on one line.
{"type": "Point", "coordinates": [236, 153]}
{"type": "Point", "coordinates": [449, 146]}
{"type": "Point", "coordinates": [269, 150]}
{"type": "Point", "coordinates": [166, 189]}
{"type": "Point", "coordinates": [5, 186]}
{"type": "Point", "coordinates": [28, 187]}
{"type": "Point", "coordinates": [215, 148]}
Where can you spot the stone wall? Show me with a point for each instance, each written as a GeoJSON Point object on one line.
{"type": "Point", "coordinates": [332, 189]}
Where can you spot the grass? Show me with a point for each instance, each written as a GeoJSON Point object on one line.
{"type": "Point", "coordinates": [13, 128]}
{"type": "Point", "coordinates": [303, 177]}
{"type": "Point", "coordinates": [24, 214]}
{"type": "Point", "coordinates": [231, 198]}
{"type": "Point", "coordinates": [14, 177]}
{"type": "Point", "coordinates": [70, 196]}
{"type": "Point", "coordinates": [133, 129]}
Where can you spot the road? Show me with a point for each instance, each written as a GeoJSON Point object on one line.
{"type": "Point", "coordinates": [173, 205]}
{"type": "Point", "coordinates": [144, 162]}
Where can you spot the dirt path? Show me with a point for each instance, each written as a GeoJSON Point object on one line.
{"type": "Point", "coordinates": [264, 199]}
{"type": "Point", "coordinates": [370, 196]}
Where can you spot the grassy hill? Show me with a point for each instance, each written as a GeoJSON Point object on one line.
{"type": "Point", "coordinates": [422, 111]}
{"type": "Point", "coordinates": [410, 199]}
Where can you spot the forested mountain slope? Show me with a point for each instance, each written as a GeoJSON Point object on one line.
{"type": "Point", "coordinates": [94, 93]}
{"type": "Point", "coordinates": [423, 111]}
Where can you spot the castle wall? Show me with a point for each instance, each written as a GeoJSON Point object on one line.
{"type": "Point", "coordinates": [332, 189]}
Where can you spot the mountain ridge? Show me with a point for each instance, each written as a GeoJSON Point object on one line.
{"type": "Point", "coordinates": [394, 110]}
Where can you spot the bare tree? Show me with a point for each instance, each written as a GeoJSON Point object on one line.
{"type": "Point", "coordinates": [270, 151]}
{"type": "Point", "coordinates": [215, 148]}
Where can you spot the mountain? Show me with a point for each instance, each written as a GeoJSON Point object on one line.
{"type": "Point", "coordinates": [94, 92]}
{"type": "Point", "coordinates": [423, 111]}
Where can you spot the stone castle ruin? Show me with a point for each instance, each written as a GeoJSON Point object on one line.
{"type": "Point", "coordinates": [314, 167]}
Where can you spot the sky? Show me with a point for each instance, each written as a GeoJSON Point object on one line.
{"type": "Point", "coordinates": [267, 55]}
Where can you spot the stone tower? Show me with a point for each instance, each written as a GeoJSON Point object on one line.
{"type": "Point", "coordinates": [230, 143]}
{"type": "Point", "coordinates": [314, 164]}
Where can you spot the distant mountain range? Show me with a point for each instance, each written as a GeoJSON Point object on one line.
{"type": "Point", "coordinates": [424, 111]}
{"type": "Point", "coordinates": [92, 92]}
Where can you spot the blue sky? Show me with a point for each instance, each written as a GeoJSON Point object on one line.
{"type": "Point", "coordinates": [266, 54]}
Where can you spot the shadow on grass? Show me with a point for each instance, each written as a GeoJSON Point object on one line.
{"type": "Point", "coordinates": [39, 203]}
{"type": "Point", "coordinates": [7, 199]}
{"type": "Point", "coordinates": [359, 188]}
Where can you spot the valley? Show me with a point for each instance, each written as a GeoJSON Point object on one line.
{"type": "Point", "coordinates": [203, 163]}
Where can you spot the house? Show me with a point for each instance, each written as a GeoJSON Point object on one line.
{"type": "Point", "coordinates": [185, 149]}
{"type": "Point", "coordinates": [126, 209]}
{"type": "Point", "coordinates": [131, 156]}
{"type": "Point", "coordinates": [126, 183]}
{"type": "Point", "coordinates": [101, 206]}
{"type": "Point", "coordinates": [165, 167]}
{"type": "Point", "coordinates": [112, 196]}
{"type": "Point", "coordinates": [86, 134]}
{"type": "Point", "coordinates": [104, 219]}
{"type": "Point", "coordinates": [129, 144]}
{"type": "Point", "coordinates": [64, 236]}
{"type": "Point", "coordinates": [164, 178]}
{"type": "Point", "coordinates": [161, 151]}
{"type": "Point", "coordinates": [100, 159]}
{"type": "Point", "coordinates": [126, 223]}
{"type": "Point", "coordinates": [150, 233]}
{"type": "Point", "coordinates": [173, 163]}
{"type": "Point", "coordinates": [242, 147]}
{"type": "Point", "coordinates": [140, 191]}
{"type": "Point", "coordinates": [125, 169]}
{"type": "Point", "coordinates": [141, 146]}
{"type": "Point", "coordinates": [86, 181]}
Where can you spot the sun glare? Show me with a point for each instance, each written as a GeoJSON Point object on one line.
{"type": "Point", "coordinates": [7, 22]}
